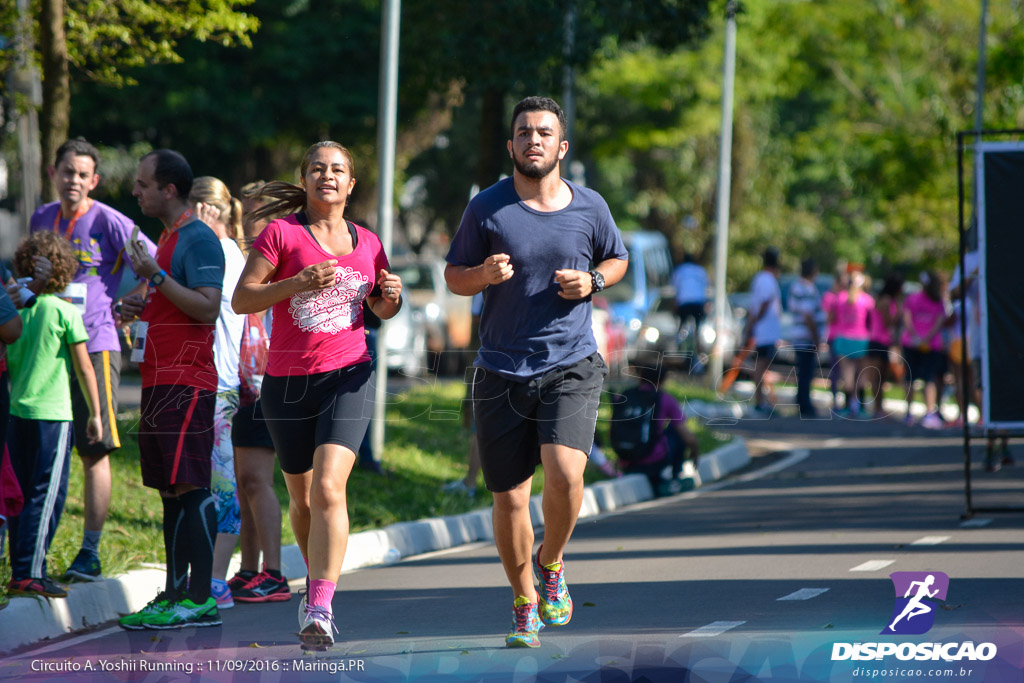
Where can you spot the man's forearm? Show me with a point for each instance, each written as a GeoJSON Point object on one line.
{"type": "Point", "coordinates": [191, 302]}
{"type": "Point", "coordinates": [465, 280]}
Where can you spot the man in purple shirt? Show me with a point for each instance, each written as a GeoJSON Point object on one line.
{"type": "Point", "coordinates": [98, 235]}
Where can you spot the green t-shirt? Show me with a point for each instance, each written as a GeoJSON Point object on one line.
{"type": "Point", "coordinates": [40, 361]}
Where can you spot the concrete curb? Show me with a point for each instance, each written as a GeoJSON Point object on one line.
{"type": "Point", "coordinates": [28, 620]}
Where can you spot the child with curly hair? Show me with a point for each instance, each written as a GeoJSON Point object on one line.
{"type": "Point", "coordinates": [40, 434]}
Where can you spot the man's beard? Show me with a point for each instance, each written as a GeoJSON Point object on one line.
{"type": "Point", "coordinates": [536, 170]}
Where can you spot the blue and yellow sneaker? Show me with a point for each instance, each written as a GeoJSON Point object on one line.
{"type": "Point", "coordinates": [85, 567]}
{"type": "Point", "coordinates": [525, 624]}
{"type": "Point", "coordinates": [554, 603]}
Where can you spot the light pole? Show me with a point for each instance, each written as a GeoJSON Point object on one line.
{"type": "Point", "coordinates": [724, 187]}
{"type": "Point", "coordinates": [387, 114]}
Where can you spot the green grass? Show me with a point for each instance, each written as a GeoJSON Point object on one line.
{"type": "Point", "coordinates": [426, 446]}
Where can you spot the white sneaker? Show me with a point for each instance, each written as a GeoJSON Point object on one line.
{"type": "Point", "coordinates": [317, 629]}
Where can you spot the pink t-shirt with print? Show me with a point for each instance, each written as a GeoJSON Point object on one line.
{"type": "Point", "coordinates": [319, 331]}
{"type": "Point", "coordinates": [924, 313]}
{"type": "Point", "coordinates": [851, 317]}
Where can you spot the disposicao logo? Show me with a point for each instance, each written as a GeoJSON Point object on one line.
{"type": "Point", "coordinates": [914, 613]}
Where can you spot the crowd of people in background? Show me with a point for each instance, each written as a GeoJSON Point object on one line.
{"type": "Point", "coordinates": [864, 339]}
{"type": "Point", "coordinates": [198, 321]}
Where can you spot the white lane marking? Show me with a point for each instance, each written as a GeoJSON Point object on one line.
{"type": "Point", "coordinates": [803, 594]}
{"type": "Point", "coordinates": [71, 642]}
{"type": "Point", "coordinates": [790, 460]}
{"type": "Point", "coordinates": [931, 540]}
{"type": "Point", "coordinates": [715, 628]}
{"type": "Point", "coordinates": [793, 458]}
{"type": "Point", "coordinates": [976, 522]}
{"type": "Point", "coordinates": [872, 565]}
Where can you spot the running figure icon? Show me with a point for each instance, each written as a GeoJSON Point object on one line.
{"type": "Point", "coordinates": [916, 606]}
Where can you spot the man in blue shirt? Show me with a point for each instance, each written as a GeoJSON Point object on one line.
{"type": "Point", "coordinates": [528, 243]}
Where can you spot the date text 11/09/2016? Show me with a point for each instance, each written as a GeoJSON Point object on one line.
{"type": "Point", "coordinates": [192, 667]}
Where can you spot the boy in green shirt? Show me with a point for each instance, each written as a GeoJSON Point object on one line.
{"type": "Point", "coordinates": [40, 434]}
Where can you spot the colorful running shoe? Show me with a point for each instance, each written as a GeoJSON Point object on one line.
{"type": "Point", "coordinates": [184, 613]}
{"type": "Point", "coordinates": [133, 622]}
{"type": "Point", "coordinates": [264, 587]}
{"type": "Point", "coordinates": [222, 594]}
{"type": "Point", "coordinates": [85, 567]}
{"type": "Point", "coordinates": [316, 630]}
{"type": "Point", "coordinates": [554, 603]}
{"type": "Point", "coordinates": [45, 586]}
{"type": "Point", "coordinates": [238, 581]}
{"type": "Point", "coordinates": [526, 625]}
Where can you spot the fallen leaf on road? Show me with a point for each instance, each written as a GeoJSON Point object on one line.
{"type": "Point", "coordinates": [255, 645]}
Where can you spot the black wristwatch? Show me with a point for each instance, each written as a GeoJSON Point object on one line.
{"type": "Point", "coordinates": [597, 281]}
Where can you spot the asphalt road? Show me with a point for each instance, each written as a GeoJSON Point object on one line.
{"type": "Point", "coordinates": [753, 579]}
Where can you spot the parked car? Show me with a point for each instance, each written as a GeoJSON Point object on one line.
{"type": "Point", "coordinates": [405, 336]}
{"type": "Point", "coordinates": [649, 269]}
{"type": "Point", "coordinates": [446, 316]}
{"type": "Point", "coordinates": [660, 332]}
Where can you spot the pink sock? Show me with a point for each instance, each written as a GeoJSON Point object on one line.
{"type": "Point", "coordinates": [321, 591]}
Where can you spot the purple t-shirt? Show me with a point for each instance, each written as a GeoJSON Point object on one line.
{"type": "Point", "coordinates": [98, 240]}
{"type": "Point", "coordinates": [667, 414]}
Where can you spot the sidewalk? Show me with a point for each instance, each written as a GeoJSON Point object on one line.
{"type": "Point", "coordinates": [29, 620]}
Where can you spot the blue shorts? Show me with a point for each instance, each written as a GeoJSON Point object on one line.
{"type": "Point", "coordinates": [844, 347]}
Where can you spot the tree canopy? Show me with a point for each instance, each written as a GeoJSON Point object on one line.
{"type": "Point", "coordinates": [844, 133]}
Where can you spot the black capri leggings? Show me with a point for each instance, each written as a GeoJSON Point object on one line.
{"type": "Point", "coordinates": [307, 411]}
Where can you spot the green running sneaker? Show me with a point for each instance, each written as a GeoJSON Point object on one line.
{"type": "Point", "coordinates": [526, 625]}
{"type": "Point", "coordinates": [184, 613]}
{"type": "Point", "coordinates": [554, 603]}
{"type": "Point", "coordinates": [133, 622]}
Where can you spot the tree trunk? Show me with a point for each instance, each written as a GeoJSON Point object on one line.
{"type": "Point", "coordinates": [493, 134]}
{"type": "Point", "coordinates": [55, 118]}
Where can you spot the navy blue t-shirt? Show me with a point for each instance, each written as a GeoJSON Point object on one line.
{"type": "Point", "coordinates": [526, 329]}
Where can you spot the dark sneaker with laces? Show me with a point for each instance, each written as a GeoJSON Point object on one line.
{"type": "Point", "coordinates": [526, 625]}
{"type": "Point", "coordinates": [45, 586]}
{"type": "Point", "coordinates": [239, 580]}
{"type": "Point", "coordinates": [86, 567]}
{"type": "Point", "coordinates": [553, 604]}
{"type": "Point", "coordinates": [133, 622]}
{"type": "Point", "coordinates": [264, 588]}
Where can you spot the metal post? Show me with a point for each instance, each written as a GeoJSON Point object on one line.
{"type": "Point", "coordinates": [568, 88]}
{"type": "Point", "coordinates": [979, 110]}
{"type": "Point", "coordinates": [724, 188]}
{"type": "Point", "coordinates": [387, 115]}
{"type": "Point", "coordinates": [964, 401]}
